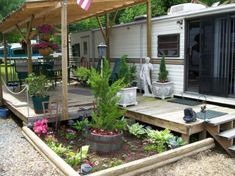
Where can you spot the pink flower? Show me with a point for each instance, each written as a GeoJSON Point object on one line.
{"type": "Point", "coordinates": [40, 127]}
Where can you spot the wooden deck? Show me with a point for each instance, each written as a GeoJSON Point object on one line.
{"type": "Point", "coordinates": [80, 102]}
{"type": "Point", "coordinates": [153, 111]}
{"type": "Point", "coordinates": [170, 115]}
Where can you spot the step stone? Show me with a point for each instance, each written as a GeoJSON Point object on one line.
{"type": "Point", "coordinates": [222, 119]}
{"type": "Point", "coordinates": [229, 134]}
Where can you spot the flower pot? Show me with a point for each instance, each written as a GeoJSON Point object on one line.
{"type": "Point", "coordinates": [45, 37]}
{"type": "Point", "coordinates": [104, 143]}
{"type": "Point", "coordinates": [127, 96]}
{"type": "Point", "coordinates": [45, 51]}
{"type": "Point", "coordinates": [3, 112]}
{"type": "Point", "coordinates": [163, 90]}
{"type": "Point", "coordinates": [37, 103]}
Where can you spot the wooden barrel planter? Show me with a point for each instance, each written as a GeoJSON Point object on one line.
{"type": "Point", "coordinates": [104, 143]}
{"type": "Point", "coordinates": [45, 51]}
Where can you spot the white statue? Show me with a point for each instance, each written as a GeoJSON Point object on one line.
{"type": "Point", "coordinates": [145, 73]}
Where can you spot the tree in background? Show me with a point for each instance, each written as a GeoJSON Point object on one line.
{"type": "Point", "coordinates": [6, 7]}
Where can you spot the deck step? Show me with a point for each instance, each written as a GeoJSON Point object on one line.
{"type": "Point", "coordinates": [222, 119]}
{"type": "Point", "coordinates": [229, 134]}
{"type": "Point", "coordinates": [232, 148]}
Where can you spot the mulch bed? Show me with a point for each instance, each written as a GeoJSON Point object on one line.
{"type": "Point", "coordinates": [133, 149]}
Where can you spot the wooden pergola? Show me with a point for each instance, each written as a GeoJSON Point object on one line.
{"type": "Point", "coordinates": [55, 12]}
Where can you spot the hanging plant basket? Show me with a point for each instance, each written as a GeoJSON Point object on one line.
{"type": "Point", "coordinates": [45, 37]}
{"type": "Point", "coordinates": [45, 51]}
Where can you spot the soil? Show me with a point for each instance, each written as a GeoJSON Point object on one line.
{"type": "Point", "coordinates": [132, 149]}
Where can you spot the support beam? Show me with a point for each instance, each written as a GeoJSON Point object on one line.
{"type": "Point", "coordinates": [29, 46]}
{"type": "Point", "coordinates": [149, 29]}
{"type": "Point", "coordinates": [101, 28]}
{"type": "Point", "coordinates": [64, 40]}
{"type": "Point", "coordinates": [5, 57]}
{"type": "Point", "coordinates": [107, 36]}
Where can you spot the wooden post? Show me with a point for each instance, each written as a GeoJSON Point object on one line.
{"type": "Point", "coordinates": [29, 53]}
{"type": "Point", "coordinates": [5, 57]}
{"type": "Point", "coordinates": [64, 40]}
{"type": "Point", "coordinates": [1, 93]}
{"type": "Point", "coordinates": [149, 29]}
{"type": "Point", "coordinates": [107, 37]}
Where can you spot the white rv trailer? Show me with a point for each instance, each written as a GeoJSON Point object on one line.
{"type": "Point", "coordinates": [198, 42]}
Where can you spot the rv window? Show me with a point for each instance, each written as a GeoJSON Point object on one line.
{"type": "Point", "coordinates": [1, 53]}
{"type": "Point", "coordinates": [168, 45]}
{"type": "Point", "coordinates": [76, 49]}
{"type": "Point", "coordinates": [85, 48]}
{"type": "Point", "coordinates": [19, 52]}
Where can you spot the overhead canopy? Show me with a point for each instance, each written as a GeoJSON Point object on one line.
{"type": "Point", "coordinates": [49, 11]}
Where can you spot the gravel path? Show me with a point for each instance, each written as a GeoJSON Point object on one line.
{"type": "Point", "coordinates": [17, 156]}
{"type": "Point", "coordinates": [208, 163]}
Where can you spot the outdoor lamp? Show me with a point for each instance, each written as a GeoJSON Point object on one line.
{"type": "Point", "coordinates": [101, 50]}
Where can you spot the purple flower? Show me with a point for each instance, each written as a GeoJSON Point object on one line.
{"type": "Point", "coordinates": [45, 29]}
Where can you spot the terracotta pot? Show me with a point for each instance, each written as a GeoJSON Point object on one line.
{"type": "Point", "coordinates": [45, 37]}
{"type": "Point", "coordinates": [45, 51]}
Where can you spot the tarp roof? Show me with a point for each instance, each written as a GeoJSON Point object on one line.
{"type": "Point", "coordinates": [49, 11]}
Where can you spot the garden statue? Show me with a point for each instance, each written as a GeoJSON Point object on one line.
{"type": "Point", "coordinates": [145, 73]}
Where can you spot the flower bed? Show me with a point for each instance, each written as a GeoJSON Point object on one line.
{"type": "Point", "coordinates": [69, 142]}
{"type": "Point", "coordinates": [132, 168]}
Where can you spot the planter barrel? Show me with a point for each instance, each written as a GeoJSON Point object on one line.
{"type": "Point", "coordinates": [104, 143]}
{"type": "Point", "coordinates": [163, 90]}
{"type": "Point", "coordinates": [37, 103]}
{"type": "Point", "coordinates": [127, 96]}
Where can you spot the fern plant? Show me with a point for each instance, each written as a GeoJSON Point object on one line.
{"type": "Point", "coordinates": [163, 73]}
{"type": "Point", "coordinates": [107, 114]}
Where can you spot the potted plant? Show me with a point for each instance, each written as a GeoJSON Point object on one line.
{"type": "Point", "coordinates": [45, 31]}
{"type": "Point", "coordinates": [37, 89]}
{"type": "Point", "coordinates": [128, 94]}
{"type": "Point", "coordinates": [163, 88]}
{"type": "Point", "coordinates": [105, 134]}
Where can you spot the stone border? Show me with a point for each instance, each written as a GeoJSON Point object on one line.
{"type": "Point", "coordinates": [128, 169]}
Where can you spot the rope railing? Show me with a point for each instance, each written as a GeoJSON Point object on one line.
{"type": "Point", "coordinates": [9, 90]}
{"type": "Point", "coordinates": [26, 88]}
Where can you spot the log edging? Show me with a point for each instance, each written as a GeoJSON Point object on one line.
{"type": "Point", "coordinates": [132, 168]}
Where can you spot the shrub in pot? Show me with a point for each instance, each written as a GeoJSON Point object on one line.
{"type": "Point", "coordinates": [128, 94]}
{"type": "Point", "coordinates": [105, 134]}
{"type": "Point", "coordinates": [38, 90]}
{"type": "Point", "coordinates": [163, 88]}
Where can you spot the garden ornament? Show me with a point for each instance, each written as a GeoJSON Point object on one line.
{"type": "Point", "coordinates": [189, 115]}
{"type": "Point", "coordinates": [145, 73]}
{"type": "Point", "coordinates": [86, 168]}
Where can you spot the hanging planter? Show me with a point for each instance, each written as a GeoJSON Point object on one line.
{"type": "Point", "coordinates": [44, 37]}
{"type": "Point", "coordinates": [45, 51]}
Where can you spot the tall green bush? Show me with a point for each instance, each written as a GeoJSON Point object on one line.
{"type": "Point", "coordinates": [163, 73]}
{"type": "Point", "coordinates": [127, 73]}
{"type": "Point", "coordinates": [107, 114]}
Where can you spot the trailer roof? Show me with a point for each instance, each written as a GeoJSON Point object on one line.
{"type": "Point", "coordinates": [49, 11]}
